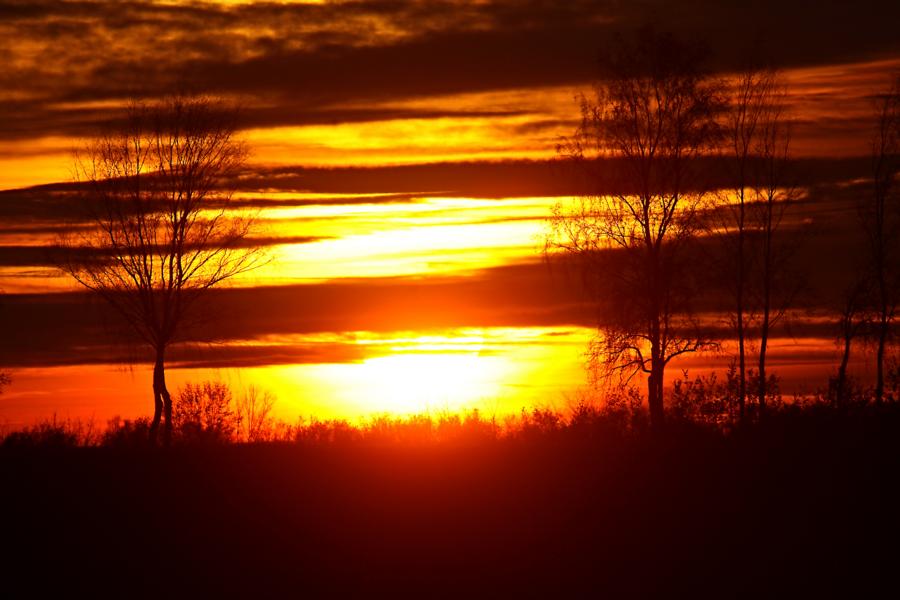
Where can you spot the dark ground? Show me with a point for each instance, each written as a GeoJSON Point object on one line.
{"type": "Point", "coordinates": [803, 507]}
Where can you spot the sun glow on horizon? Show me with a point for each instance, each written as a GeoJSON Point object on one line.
{"type": "Point", "coordinates": [396, 293]}
{"type": "Point", "coordinates": [403, 384]}
{"type": "Point", "coordinates": [495, 370]}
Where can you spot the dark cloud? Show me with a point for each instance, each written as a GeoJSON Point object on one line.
{"type": "Point", "coordinates": [54, 255]}
{"type": "Point", "coordinates": [69, 328]}
{"type": "Point", "coordinates": [301, 200]}
{"type": "Point", "coordinates": [49, 120]}
{"type": "Point", "coordinates": [502, 179]}
{"type": "Point", "coordinates": [474, 179]}
{"type": "Point", "coordinates": [47, 205]}
{"type": "Point", "coordinates": [306, 62]}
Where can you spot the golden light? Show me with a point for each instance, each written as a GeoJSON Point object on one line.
{"type": "Point", "coordinates": [496, 370]}
{"type": "Point", "coordinates": [396, 141]}
{"type": "Point", "coordinates": [421, 383]}
{"type": "Point", "coordinates": [429, 236]}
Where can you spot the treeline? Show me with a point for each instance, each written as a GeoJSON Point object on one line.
{"type": "Point", "coordinates": [589, 504]}
{"type": "Point", "coordinates": [654, 114]}
{"type": "Point", "coordinates": [210, 413]}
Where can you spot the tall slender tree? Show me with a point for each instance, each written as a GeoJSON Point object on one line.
{"type": "Point", "coordinates": [156, 192]}
{"type": "Point", "coordinates": [652, 114]}
{"type": "Point", "coordinates": [851, 324]}
{"type": "Point", "coordinates": [5, 378]}
{"type": "Point", "coordinates": [752, 93]}
{"type": "Point", "coordinates": [880, 217]}
{"type": "Point", "coordinates": [775, 285]}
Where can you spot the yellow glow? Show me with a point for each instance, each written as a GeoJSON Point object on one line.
{"type": "Point", "coordinates": [47, 161]}
{"type": "Point", "coordinates": [403, 252]}
{"type": "Point", "coordinates": [425, 237]}
{"type": "Point", "coordinates": [434, 236]}
{"type": "Point", "coordinates": [497, 370]}
{"type": "Point", "coordinates": [400, 141]}
{"type": "Point", "coordinates": [832, 93]}
{"type": "Point", "coordinates": [407, 384]}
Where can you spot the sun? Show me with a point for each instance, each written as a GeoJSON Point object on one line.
{"type": "Point", "coordinates": [427, 382]}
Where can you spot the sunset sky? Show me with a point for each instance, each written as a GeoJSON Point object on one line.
{"type": "Point", "coordinates": [403, 156]}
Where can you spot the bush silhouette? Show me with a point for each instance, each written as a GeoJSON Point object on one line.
{"type": "Point", "coordinates": [127, 434]}
{"type": "Point", "coordinates": [52, 434]}
{"type": "Point", "coordinates": [204, 413]}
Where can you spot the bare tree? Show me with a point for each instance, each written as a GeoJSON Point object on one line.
{"type": "Point", "coordinates": [852, 321]}
{"type": "Point", "coordinates": [204, 412]}
{"type": "Point", "coordinates": [156, 192]}
{"type": "Point", "coordinates": [650, 117]}
{"type": "Point", "coordinates": [881, 223]}
{"type": "Point", "coordinates": [753, 92]}
{"type": "Point", "coordinates": [254, 408]}
{"type": "Point", "coordinates": [5, 378]}
{"type": "Point", "coordinates": [775, 285]}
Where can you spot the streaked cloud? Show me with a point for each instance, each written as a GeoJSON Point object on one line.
{"type": "Point", "coordinates": [402, 165]}
{"type": "Point", "coordinates": [318, 66]}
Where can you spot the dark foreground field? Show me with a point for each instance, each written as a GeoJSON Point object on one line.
{"type": "Point", "coordinates": [802, 506]}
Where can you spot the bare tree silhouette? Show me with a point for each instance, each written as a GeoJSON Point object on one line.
{"type": "Point", "coordinates": [775, 285]}
{"type": "Point", "coordinates": [204, 412]}
{"type": "Point", "coordinates": [5, 378]}
{"type": "Point", "coordinates": [757, 254]}
{"type": "Point", "coordinates": [652, 114]}
{"type": "Point", "coordinates": [880, 217]}
{"type": "Point", "coordinates": [752, 94]}
{"type": "Point", "coordinates": [254, 410]}
{"type": "Point", "coordinates": [852, 321]}
{"type": "Point", "coordinates": [156, 190]}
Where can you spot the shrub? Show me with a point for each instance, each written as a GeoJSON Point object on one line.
{"type": "Point", "coordinates": [203, 413]}
{"type": "Point", "coordinates": [254, 415]}
{"type": "Point", "coordinates": [53, 434]}
{"type": "Point", "coordinates": [125, 433]}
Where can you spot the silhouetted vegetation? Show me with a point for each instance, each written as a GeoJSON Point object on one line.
{"type": "Point", "coordinates": [541, 503]}
{"type": "Point", "coordinates": [652, 244]}
{"type": "Point", "coordinates": [880, 217]}
{"type": "Point", "coordinates": [756, 267]}
{"type": "Point", "coordinates": [654, 110]}
{"type": "Point", "coordinates": [254, 414]}
{"type": "Point", "coordinates": [54, 433]}
{"type": "Point", "coordinates": [718, 484]}
{"type": "Point", "coordinates": [5, 378]}
{"type": "Point", "coordinates": [155, 190]}
{"type": "Point", "coordinates": [211, 414]}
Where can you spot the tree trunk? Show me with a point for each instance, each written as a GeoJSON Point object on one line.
{"type": "Point", "coordinates": [157, 412]}
{"type": "Point", "coordinates": [742, 362]}
{"type": "Point", "coordinates": [162, 397]}
{"type": "Point", "coordinates": [655, 393]}
{"type": "Point", "coordinates": [657, 364]}
{"type": "Point", "coordinates": [763, 346]}
{"type": "Point", "coordinates": [767, 279]}
{"type": "Point", "coordinates": [879, 360]}
{"type": "Point", "coordinates": [841, 391]}
{"type": "Point", "coordinates": [882, 326]}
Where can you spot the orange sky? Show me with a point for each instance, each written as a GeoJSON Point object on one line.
{"type": "Point", "coordinates": [464, 100]}
{"type": "Point", "coordinates": [827, 102]}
